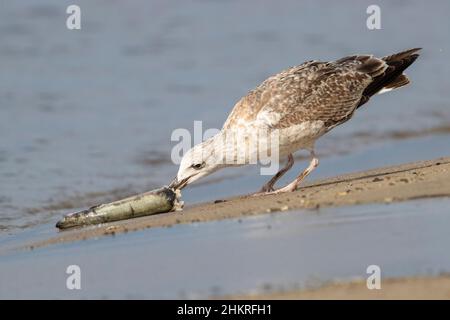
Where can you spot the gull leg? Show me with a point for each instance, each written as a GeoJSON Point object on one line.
{"type": "Point", "coordinates": [268, 187]}
{"type": "Point", "coordinates": [294, 184]}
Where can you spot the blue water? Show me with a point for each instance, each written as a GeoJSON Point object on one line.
{"type": "Point", "coordinates": [86, 116]}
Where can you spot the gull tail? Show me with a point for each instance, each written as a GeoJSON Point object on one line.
{"type": "Point", "coordinates": [400, 81]}
{"type": "Point", "coordinates": [393, 76]}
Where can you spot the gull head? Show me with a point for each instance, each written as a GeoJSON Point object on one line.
{"type": "Point", "coordinates": [199, 161]}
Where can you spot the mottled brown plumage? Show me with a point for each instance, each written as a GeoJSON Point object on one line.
{"type": "Point", "coordinates": [326, 91]}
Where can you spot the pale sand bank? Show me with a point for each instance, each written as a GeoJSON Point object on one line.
{"type": "Point", "coordinates": [416, 180]}
{"type": "Point", "coordinates": [412, 288]}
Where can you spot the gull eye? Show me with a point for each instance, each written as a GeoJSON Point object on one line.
{"type": "Point", "coordinates": [198, 166]}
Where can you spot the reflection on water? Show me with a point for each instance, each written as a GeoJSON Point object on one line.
{"type": "Point", "coordinates": [88, 112]}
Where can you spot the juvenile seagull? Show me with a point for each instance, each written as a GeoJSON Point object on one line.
{"type": "Point", "coordinates": [302, 103]}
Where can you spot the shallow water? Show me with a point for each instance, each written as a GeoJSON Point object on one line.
{"type": "Point", "coordinates": [86, 116]}
{"type": "Point", "coordinates": [258, 254]}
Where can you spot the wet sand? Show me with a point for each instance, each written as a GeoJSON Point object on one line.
{"type": "Point", "coordinates": [410, 181]}
{"type": "Point", "coordinates": [261, 254]}
{"type": "Point", "coordinates": [412, 288]}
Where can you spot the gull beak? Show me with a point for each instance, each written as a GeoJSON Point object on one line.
{"type": "Point", "coordinates": [175, 184]}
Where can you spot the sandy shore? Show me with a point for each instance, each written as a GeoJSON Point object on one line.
{"type": "Point", "coordinates": [396, 288]}
{"type": "Point", "coordinates": [389, 184]}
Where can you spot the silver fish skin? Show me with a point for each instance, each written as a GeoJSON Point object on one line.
{"type": "Point", "coordinates": [156, 201]}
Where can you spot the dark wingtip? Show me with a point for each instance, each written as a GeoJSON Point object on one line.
{"type": "Point", "coordinates": [409, 51]}
{"type": "Point", "coordinates": [402, 55]}
{"type": "Point", "coordinates": [414, 52]}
